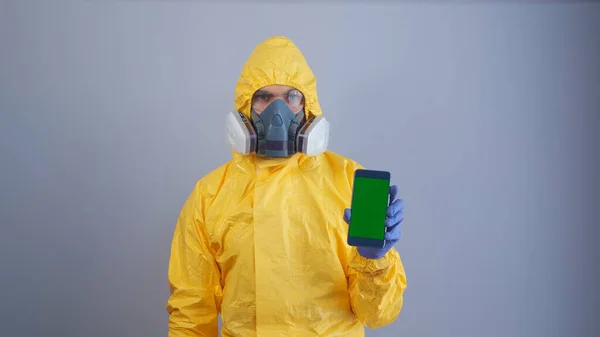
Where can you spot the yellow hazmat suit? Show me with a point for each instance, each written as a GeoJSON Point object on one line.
{"type": "Point", "coordinates": [263, 241]}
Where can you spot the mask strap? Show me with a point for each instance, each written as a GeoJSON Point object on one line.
{"type": "Point", "coordinates": [293, 131]}
{"type": "Point", "coordinates": [260, 132]}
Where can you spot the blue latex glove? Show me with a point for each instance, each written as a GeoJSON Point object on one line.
{"type": "Point", "coordinates": [395, 215]}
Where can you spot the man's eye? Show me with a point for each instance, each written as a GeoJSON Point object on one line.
{"type": "Point", "coordinates": [295, 97]}
{"type": "Point", "coordinates": [263, 97]}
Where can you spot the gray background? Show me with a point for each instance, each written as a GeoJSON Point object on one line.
{"type": "Point", "coordinates": [486, 114]}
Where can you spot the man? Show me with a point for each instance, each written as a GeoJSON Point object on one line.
{"type": "Point", "coordinates": [262, 239]}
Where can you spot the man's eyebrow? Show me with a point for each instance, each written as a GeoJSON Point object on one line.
{"type": "Point", "coordinates": [262, 92]}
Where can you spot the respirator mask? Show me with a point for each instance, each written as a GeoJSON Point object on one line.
{"type": "Point", "coordinates": [277, 132]}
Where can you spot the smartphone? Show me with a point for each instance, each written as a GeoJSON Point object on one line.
{"type": "Point", "coordinates": [370, 199]}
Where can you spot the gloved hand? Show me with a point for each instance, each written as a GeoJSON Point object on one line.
{"type": "Point", "coordinates": [395, 215]}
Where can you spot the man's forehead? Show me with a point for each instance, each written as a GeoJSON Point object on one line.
{"type": "Point", "coordinates": [276, 89]}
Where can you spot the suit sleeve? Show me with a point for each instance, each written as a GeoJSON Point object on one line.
{"type": "Point", "coordinates": [194, 276]}
{"type": "Point", "coordinates": [376, 287]}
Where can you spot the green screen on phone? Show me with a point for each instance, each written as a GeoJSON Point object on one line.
{"type": "Point", "coordinates": [369, 207]}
